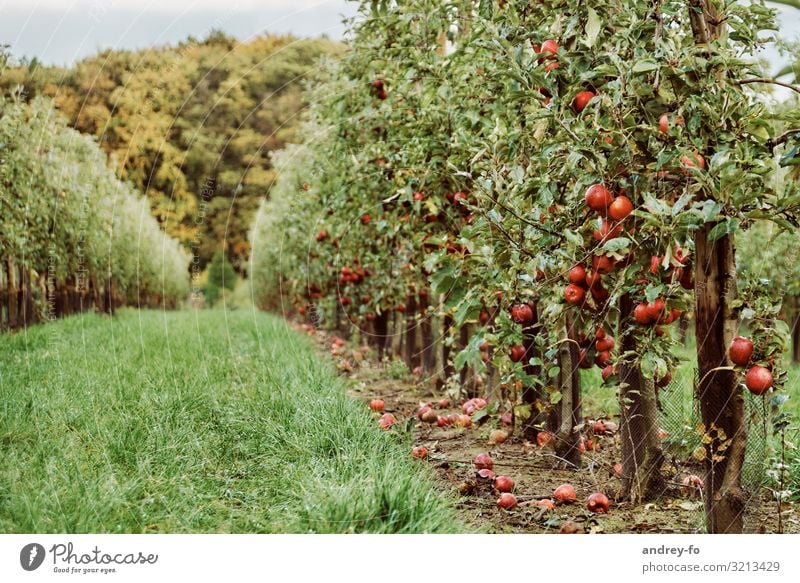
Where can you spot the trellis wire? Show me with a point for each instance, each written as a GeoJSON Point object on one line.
{"type": "Point", "coordinates": [679, 415]}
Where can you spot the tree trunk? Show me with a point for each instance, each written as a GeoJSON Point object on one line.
{"type": "Point", "coordinates": [795, 332]}
{"type": "Point", "coordinates": [447, 366]}
{"type": "Point", "coordinates": [722, 402]}
{"type": "Point", "coordinates": [410, 348]}
{"type": "Point", "coordinates": [381, 329]}
{"type": "Point", "coordinates": [716, 323]}
{"type": "Point", "coordinates": [12, 300]}
{"type": "Point", "coordinates": [642, 457]}
{"type": "Point", "coordinates": [426, 330]}
{"type": "Point", "coordinates": [567, 441]}
{"type": "Point", "coordinates": [531, 392]}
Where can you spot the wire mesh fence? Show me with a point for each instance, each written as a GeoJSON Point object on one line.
{"type": "Point", "coordinates": [679, 416]}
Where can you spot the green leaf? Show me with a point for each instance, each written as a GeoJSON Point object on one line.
{"type": "Point", "coordinates": [555, 397]}
{"type": "Point", "coordinates": [727, 227]}
{"type": "Point", "coordinates": [616, 244]}
{"type": "Point", "coordinates": [592, 27]}
{"type": "Point", "coordinates": [553, 372]}
{"type": "Point", "coordinates": [645, 66]}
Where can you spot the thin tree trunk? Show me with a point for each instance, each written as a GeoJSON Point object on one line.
{"type": "Point", "coordinates": [381, 330]}
{"type": "Point", "coordinates": [716, 323]}
{"type": "Point", "coordinates": [13, 302]}
{"type": "Point", "coordinates": [642, 457]}
{"type": "Point", "coordinates": [447, 366]}
{"type": "Point", "coordinates": [567, 441]}
{"type": "Point", "coordinates": [532, 393]}
{"type": "Point", "coordinates": [722, 402]}
{"type": "Point", "coordinates": [426, 330]}
{"type": "Point", "coordinates": [795, 331]}
{"type": "Point", "coordinates": [410, 349]}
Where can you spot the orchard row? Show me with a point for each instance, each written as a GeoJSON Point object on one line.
{"type": "Point", "coordinates": [72, 236]}
{"type": "Point", "coordinates": [505, 192]}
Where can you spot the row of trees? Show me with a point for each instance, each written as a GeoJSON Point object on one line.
{"type": "Point", "coordinates": [518, 190]}
{"type": "Point", "coordinates": [190, 125]}
{"type": "Point", "coordinates": [72, 236]}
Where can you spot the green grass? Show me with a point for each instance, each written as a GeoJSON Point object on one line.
{"type": "Point", "coordinates": [206, 421]}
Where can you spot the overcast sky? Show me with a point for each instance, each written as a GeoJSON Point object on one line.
{"type": "Point", "coordinates": [61, 31]}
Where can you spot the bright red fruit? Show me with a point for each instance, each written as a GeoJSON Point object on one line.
{"type": "Point", "coordinates": [603, 359]}
{"type": "Point", "coordinates": [365, 219]}
{"type": "Point", "coordinates": [376, 405]}
{"type": "Point", "coordinates": [387, 420]}
{"type": "Point", "coordinates": [549, 46]}
{"type": "Point", "coordinates": [522, 314]}
{"type": "Point", "coordinates": [565, 493]}
{"type": "Point", "coordinates": [418, 196]}
{"type": "Point", "coordinates": [663, 123]}
{"type": "Point", "coordinates": [758, 379]}
{"type": "Point", "coordinates": [419, 452]}
{"type": "Point", "coordinates": [503, 484]}
{"type": "Point", "coordinates": [605, 344]}
{"type": "Point", "coordinates": [620, 208]}
{"type": "Point", "coordinates": [603, 264]}
{"type": "Point", "coordinates": [582, 99]}
{"type": "Point", "coordinates": [577, 275]}
{"type": "Point", "coordinates": [507, 501]}
{"type": "Point", "coordinates": [517, 353]}
{"type": "Point", "coordinates": [483, 461]}
{"type": "Point", "coordinates": [544, 438]}
{"type": "Point", "coordinates": [607, 372]}
{"type": "Point", "coordinates": [322, 235]}
{"type": "Point", "coordinates": [597, 502]}
{"type": "Point", "coordinates": [696, 160]}
{"type": "Point", "coordinates": [574, 294]}
{"type": "Point", "coordinates": [598, 198]}
{"type": "Point", "coordinates": [741, 350]}
{"type": "Point", "coordinates": [642, 315]}
{"type": "Point", "coordinates": [656, 308]}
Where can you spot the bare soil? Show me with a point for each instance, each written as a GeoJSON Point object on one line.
{"type": "Point", "coordinates": [452, 449]}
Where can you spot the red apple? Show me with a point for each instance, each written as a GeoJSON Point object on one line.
{"type": "Point", "coordinates": [620, 208]}
{"type": "Point", "coordinates": [565, 493]}
{"type": "Point", "coordinates": [503, 484]}
{"type": "Point", "coordinates": [522, 314]}
{"type": "Point", "coordinates": [607, 372]}
{"type": "Point", "coordinates": [377, 405]}
{"type": "Point", "coordinates": [741, 350]}
{"type": "Point", "coordinates": [549, 46]}
{"type": "Point", "coordinates": [574, 295]}
{"type": "Point", "coordinates": [598, 198]}
{"type": "Point", "coordinates": [517, 353]}
{"type": "Point", "coordinates": [507, 501]}
{"type": "Point", "coordinates": [419, 452]}
{"type": "Point", "coordinates": [582, 99]}
{"type": "Point", "coordinates": [603, 264]}
{"type": "Point", "coordinates": [597, 502]}
{"type": "Point", "coordinates": [758, 380]}
{"type": "Point", "coordinates": [605, 344]}
{"type": "Point", "coordinates": [577, 275]}
{"type": "Point", "coordinates": [544, 438]}
{"type": "Point", "coordinates": [387, 420]}
{"type": "Point", "coordinates": [483, 460]}
{"type": "Point", "coordinates": [642, 315]}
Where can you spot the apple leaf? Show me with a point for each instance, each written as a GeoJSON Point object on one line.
{"type": "Point", "coordinates": [592, 27]}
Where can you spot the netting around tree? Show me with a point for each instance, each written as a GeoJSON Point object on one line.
{"type": "Point", "coordinates": [679, 416]}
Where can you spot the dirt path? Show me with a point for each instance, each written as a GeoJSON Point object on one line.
{"type": "Point", "coordinates": [452, 449]}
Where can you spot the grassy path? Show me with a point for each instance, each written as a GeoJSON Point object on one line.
{"type": "Point", "coordinates": [194, 422]}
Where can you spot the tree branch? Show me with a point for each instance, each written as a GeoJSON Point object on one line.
{"type": "Point", "coordinates": [783, 138]}
{"type": "Point", "coordinates": [772, 81]}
